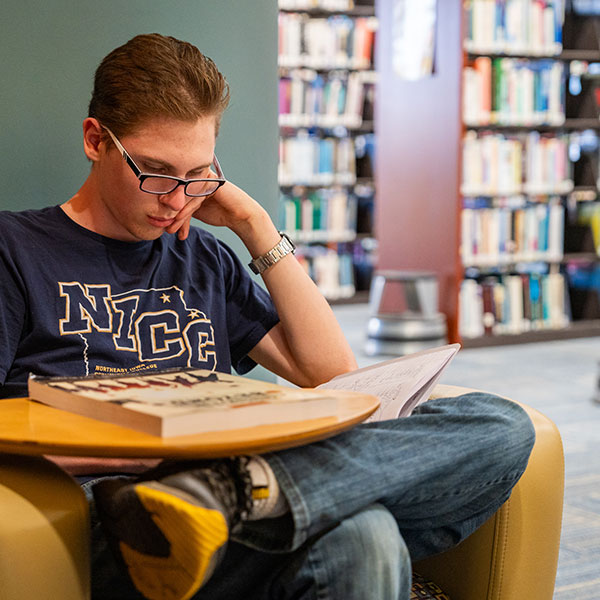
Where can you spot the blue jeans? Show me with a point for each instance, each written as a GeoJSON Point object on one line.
{"type": "Point", "coordinates": [364, 503]}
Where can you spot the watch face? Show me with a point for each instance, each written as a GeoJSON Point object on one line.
{"type": "Point", "coordinates": [288, 242]}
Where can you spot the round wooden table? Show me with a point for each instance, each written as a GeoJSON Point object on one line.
{"type": "Point", "coordinates": [28, 427]}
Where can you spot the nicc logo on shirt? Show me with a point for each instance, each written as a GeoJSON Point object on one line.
{"type": "Point", "coordinates": [156, 324]}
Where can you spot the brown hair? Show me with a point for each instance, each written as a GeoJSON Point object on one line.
{"type": "Point", "coordinates": [156, 76]}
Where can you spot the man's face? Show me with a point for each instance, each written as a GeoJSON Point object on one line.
{"type": "Point", "coordinates": [163, 147]}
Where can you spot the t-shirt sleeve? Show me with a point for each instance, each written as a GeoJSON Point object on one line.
{"type": "Point", "coordinates": [12, 315]}
{"type": "Point", "coordinates": [250, 311]}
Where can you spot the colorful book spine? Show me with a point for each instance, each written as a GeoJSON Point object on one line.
{"type": "Point", "coordinates": [512, 304]}
{"type": "Point", "coordinates": [589, 214]}
{"type": "Point", "coordinates": [309, 99]}
{"type": "Point", "coordinates": [512, 91]}
{"type": "Point", "coordinates": [321, 215]}
{"type": "Point", "coordinates": [332, 271]}
{"type": "Point", "coordinates": [514, 27]}
{"type": "Point", "coordinates": [496, 164]}
{"type": "Point", "coordinates": [494, 236]}
{"type": "Point", "coordinates": [335, 42]}
{"type": "Point", "coordinates": [311, 160]}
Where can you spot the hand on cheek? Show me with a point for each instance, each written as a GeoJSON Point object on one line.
{"type": "Point", "coordinates": [181, 225]}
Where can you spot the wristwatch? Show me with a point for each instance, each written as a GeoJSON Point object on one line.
{"type": "Point", "coordinates": [284, 247]}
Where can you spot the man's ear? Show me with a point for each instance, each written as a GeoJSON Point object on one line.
{"type": "Point", "coordinates": [92, 138]}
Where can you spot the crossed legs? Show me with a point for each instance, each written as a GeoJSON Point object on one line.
{"type": "Point", "coordinates": [373, 497]}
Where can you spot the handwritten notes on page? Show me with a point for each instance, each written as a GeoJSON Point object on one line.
{"type": "Point", "coordinates": [401, 384]}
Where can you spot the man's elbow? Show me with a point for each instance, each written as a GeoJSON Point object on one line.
{"type": "Point", "coordinates": [349, 364]}
{"type": "Point", "coordinates": [338, 366]}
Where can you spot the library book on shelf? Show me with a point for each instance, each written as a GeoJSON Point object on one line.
{"type": "Point", "coordinates": [182, 401]}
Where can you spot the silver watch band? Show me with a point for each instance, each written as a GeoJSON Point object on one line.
{"type": "Point", "coordinates": [284, 247]}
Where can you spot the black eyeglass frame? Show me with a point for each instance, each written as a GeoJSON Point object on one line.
{"type": "Point", "coordinates": [219, 180]}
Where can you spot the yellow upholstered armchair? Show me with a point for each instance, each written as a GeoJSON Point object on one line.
{"type": "Point", "coordinates": [44, 532]}
{"type": "Point", "coordinates": [515, 554]}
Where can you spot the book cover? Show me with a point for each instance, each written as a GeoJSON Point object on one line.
{"type": "Point", "coordinates": [181, 401]}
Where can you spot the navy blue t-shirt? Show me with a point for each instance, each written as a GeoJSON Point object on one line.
{"type": "Point", "coordinates": [73, 302]}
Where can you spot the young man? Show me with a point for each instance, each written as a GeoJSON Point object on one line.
{"type": "Point", "coordinates": [127, 284]}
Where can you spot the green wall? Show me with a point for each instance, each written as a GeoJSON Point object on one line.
{"type": "Point", "coordinates": [50, 50]}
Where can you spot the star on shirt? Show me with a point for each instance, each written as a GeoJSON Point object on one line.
{"type": "Point", "coordinates": [194, 313]}
{"type": "Point", "coordinates": [165, 298]}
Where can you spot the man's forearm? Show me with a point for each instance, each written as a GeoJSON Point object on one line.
{"type": "Point", "coordinates": [312, 332]}
{"type": "Point", "coordinates": [316, 344]}
{"type": "Point", "coordinates": [308, 347]}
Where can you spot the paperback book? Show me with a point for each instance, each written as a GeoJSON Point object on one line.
{"type": "Point", "coordinates": [182, 401]}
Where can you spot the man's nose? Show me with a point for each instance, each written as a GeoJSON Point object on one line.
{"type": "Point", "coordinates": [176, 199]}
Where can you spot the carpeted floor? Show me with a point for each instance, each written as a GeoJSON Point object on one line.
{"type": "Point", "coordinates": [559, 379]}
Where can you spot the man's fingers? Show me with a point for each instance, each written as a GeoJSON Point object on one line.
{"type": "Point", "coordinates": [184, 217]}
{"type": "Point", "coordinates": [184, 230]}
{"type": "Point", "coordinates": [182, 221]}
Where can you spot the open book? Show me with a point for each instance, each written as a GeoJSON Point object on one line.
{"type": "Point", "coordinates": [182, 401]}
{"type": "Point", "coordinates": [401, 384]}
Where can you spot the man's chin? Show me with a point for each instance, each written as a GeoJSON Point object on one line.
{"type": "Point", "coordinates": [144, 234]}
{"type": "Point", "coordinates": [150, 237]}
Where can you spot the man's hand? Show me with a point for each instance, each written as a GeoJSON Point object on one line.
{"type": "Point", "coordinates": [228, 207]}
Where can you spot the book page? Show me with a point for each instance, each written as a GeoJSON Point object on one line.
{"type": "Point", "coordinates": [401, 384]}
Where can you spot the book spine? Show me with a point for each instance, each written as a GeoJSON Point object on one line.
{"type": "Point", "coordinates": [470, 309]}
{"type": "Point", "coordinates": [492, 164]}
{"type": "Point", "coordinates": [514, 92]}
{"type": "Point", "coordinates": [514, 26]}
{"type": "Point", "coordinates": [332, 271]}
{"type": "Point", "coordinates": [512, 304]}
{"type": "Point", "coordinates": [489, 306]}
{"type": "Point", "coordinates": [320, 215]}
{"type": "Point", "coordinates": [326, 43]}
{"type": "Point", "coordinates": [312, 160]}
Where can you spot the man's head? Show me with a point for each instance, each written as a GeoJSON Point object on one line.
{"type": "Point", "coordinates": [162, 99]}
{"type": "Point", "coordinates": [156, 77]}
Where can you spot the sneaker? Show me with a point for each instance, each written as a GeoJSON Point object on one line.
{"type": "Point", "coordinates": [171, 526]}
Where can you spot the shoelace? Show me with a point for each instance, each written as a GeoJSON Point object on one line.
{"type": "Point", "coordinates": [230, 478]}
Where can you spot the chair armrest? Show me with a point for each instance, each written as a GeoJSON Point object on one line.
{"type": "Point", "coordinates": [515, 553]}
{"type": "Point", "coordinates": [44, 532]}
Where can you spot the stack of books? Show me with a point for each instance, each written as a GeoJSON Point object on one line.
{"type": "Point", "coordinates": [514, 26]}
{"type": "Point", "coordinates": [335, 42]}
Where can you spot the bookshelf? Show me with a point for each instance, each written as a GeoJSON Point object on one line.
{"type": "Point", "coordinates": [493, 161]}
{"type": "Point", "coordinates": [327, 142]}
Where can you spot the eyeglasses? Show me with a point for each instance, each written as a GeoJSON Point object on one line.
{"type": "Point", "coordinates": [165, 184]}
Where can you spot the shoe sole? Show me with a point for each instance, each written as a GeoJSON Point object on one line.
{"type": "Point", "coordinates": [195, 534]}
